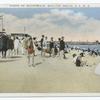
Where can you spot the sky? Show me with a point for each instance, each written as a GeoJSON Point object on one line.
{"type": "Point", "coordinates": [75, 24]}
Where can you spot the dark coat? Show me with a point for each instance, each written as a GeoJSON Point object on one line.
{"type": "Point", "coordinates": [51, 44]}
{"type": "Point", "coordinates": [3, 43]}
{"type": "Point", "coordinates": [62, 45]}
{"type": "Point", "coordinates": [41, 42]}
{"type": "Point", "coordinates": [10, 44]}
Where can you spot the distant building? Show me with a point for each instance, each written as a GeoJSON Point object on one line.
{"type": "Point", "coordinates": [2, 33]}
{"type": "Point", "coordinates": [21, 35]}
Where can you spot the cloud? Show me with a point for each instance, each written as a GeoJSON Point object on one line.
{"type": "Point", "coordinates": [73, 25]}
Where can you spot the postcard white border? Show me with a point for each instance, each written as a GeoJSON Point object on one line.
{"type": "Point", "coordinates": [51, 5]}
{"type": "Point", "coordinates": [45, 5]}
{"type": "Point", "coordinates": [49, 94]}
{"type": "Point", "coordinates": [47, 1]}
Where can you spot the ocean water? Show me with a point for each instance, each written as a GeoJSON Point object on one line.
{"type": "Point", "coordinates": [91, 47]}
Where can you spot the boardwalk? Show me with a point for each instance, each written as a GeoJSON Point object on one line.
{"type": "Point", "coordinates": [50, 75]}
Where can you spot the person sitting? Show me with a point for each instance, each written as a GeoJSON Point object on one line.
{"type": "Point", "coordinates": [79, 61]}
{"type": "Point", "coordinates": [74, 58]}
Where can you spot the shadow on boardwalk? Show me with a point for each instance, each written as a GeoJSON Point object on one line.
{"type": "Point", "coordinates": [9, 59]}
{"type": "Point", "coordinates": [16, 57]}
{"type": "Point", "coordinates": [6, 60]}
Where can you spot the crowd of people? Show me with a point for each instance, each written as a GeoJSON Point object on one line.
{"type": "Point", "coordinates": [29, 46]}
{"type": "Point", "coordinates": [51, 47]}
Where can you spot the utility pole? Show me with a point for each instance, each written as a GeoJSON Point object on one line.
{"type": "Point", "coordinates": [2, 26]}
{"type": "Point", "coordinates": [24, 29]}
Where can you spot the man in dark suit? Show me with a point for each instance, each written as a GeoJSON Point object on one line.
{"type": "Point", "coordinates": [62, 46]}
{"type": "Point", "coordinates": [41, 42]}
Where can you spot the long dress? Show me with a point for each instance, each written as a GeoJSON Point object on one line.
{"type": "Point", "coordinates": [97, 69]}
{"type": "Point", "coordinates": [16, 44]}
{"type": "Point", "coordinates": [45, 44]}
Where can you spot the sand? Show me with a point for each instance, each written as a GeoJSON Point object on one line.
{"type": "Point", "coordinates": [50, 75]}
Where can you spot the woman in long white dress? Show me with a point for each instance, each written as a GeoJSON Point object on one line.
{"type": "Point", "coordinates": [97, 69]}
{"type": "Point", "coordinates": [16, 45]}
{"type": "Point", "coordinates": [45, 47]}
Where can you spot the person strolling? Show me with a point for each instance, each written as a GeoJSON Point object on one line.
{"type": "Point", "coordinates": [30, 51]}
{"type": "Point", "coordinates": [41, 43]}
{"type": "Point", "coordinates": [25, 42]}
{"type": "Point", "coordinates": [16, 45]}
{"type": "Point", "coordinates": [45, 46]}
{"type": "Point", "coordinates": [62, 47]}
{"type": "Point", "coordinates": [51, 46]}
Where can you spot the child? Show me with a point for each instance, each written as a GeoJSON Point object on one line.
{"type": "Point", "coordinates": [30, 52]}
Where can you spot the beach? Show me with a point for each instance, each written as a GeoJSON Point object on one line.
{"type": "Point", "coordinates": [50, 75]}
